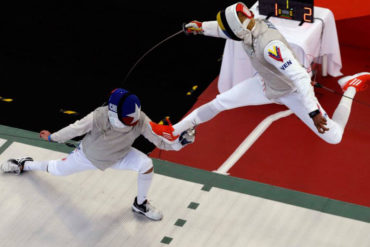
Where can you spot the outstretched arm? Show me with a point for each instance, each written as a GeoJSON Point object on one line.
{"type": "Point", "coordinates": [162, 141]}
{"type": "Point", "coordinates": [212, 29]}
{"type": "Point", "coordinates": [78, 128]}
{"type": "Point", "coordinates": [158, 141]}
{"type": "Point", "coordinates": [207, 28]}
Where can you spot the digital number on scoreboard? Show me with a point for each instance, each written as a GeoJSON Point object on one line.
{"type": "Point", "coordinates": [299, 10]}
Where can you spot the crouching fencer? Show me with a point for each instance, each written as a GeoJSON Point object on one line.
{"type": "Point", "coordinates": [280, 78]}
{"type": "Point", "coordinates": [110, 132]}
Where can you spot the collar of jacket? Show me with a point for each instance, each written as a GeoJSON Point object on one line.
{"type": "Point", "coordinates": [259, 27]}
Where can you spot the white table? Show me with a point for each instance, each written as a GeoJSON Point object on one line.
{"type": "Point", "coordinates": [305, 40]}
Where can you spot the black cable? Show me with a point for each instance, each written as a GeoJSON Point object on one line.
{"type": "Point", "coordinates": [318, 85]}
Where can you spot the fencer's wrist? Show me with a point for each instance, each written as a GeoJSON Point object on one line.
{"type": "Point", "coordinates": [193, 27]}
{"type": "Point", "coordinates": [314, 113]}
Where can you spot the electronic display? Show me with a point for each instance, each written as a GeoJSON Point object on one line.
{"type": "Point", "coordinates": [300, 10]}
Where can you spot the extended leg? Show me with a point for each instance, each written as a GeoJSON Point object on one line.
{"type": "Point", "coordinates": [350, 85]}
{"type": "Point", "coordinates": [248, 92]}
{"type": "Point", "coordinates": [74, 162]}
{"type": "Point", "coordinates": [294, 103]}
{"type": "Point", "coordinates": [336, 125]}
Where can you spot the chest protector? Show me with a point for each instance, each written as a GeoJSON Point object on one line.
{"type": "Point", "coordinates": [276, 83]}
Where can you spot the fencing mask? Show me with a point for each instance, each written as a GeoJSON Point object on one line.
{"type": "Point", "coordinates": [124, 108]}
{"type": "Point", "coordinates": [230, 24]}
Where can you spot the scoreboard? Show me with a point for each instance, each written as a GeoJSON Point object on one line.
{"type": "Point", "coordinates": [300, 10]}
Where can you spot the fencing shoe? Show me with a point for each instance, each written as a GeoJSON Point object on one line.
{"type": "Point", "coordinates": [14, 165]}
{"type": "Point", "coordinates": [147, 209]}
{"type": "Point", "coordinates": [357, 81]}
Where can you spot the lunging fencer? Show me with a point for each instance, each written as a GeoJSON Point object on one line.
{"type": "Point", "coordinates": [110, 132]}
{"type": "Point", "coordinates": [280, 78]}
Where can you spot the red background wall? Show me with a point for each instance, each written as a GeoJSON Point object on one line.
{"type": "Point", "coordinates": [344, 9]}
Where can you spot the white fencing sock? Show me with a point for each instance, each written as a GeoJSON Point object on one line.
{"type": "Point", "coordinates": [343, 110]}
{"type": "Point", "coordinates": [143, 185]}
{"type": "Point", "coordinates": [36, 166]}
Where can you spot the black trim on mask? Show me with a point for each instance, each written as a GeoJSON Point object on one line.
{"type": "Point", "coordinates": [227, 27]}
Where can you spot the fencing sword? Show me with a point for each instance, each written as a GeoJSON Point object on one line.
{"type": "Point", "coordinates": [316, 84]}
{"type": "Point", "coordinates": [128, 74]}
{"type": "Point", "coordinates": [150, 50]}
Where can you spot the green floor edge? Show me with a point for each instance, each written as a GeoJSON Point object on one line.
{"type": "Point", "coordinates": [210, 179]}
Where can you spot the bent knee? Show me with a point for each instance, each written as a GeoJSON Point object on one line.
{"type": "Point", "coordinates": [334, 141]}
{"type": "Point", "coordinates": [146, 166]}
{"type": "Point", "coordinates": [334, 137]}
{"type": "Point", "coordinates": [149, 171]}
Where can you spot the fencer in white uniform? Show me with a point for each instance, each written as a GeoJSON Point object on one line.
{"type": "Point", "coordinates": [280, 78]}
{"type": "Point", "coordinates": [110, 132]}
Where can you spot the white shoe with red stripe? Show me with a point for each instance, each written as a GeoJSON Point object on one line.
{"type": "Point", "coordinates": [357, 81]}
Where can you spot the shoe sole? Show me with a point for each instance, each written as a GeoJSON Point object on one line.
{"type": "Point", "coordinates": [342, 81]}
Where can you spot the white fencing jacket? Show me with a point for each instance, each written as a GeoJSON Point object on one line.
{"type": "Point", "coordinates": [272, 58]}
{"type": "Point", "coordinates": [105, 145]}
